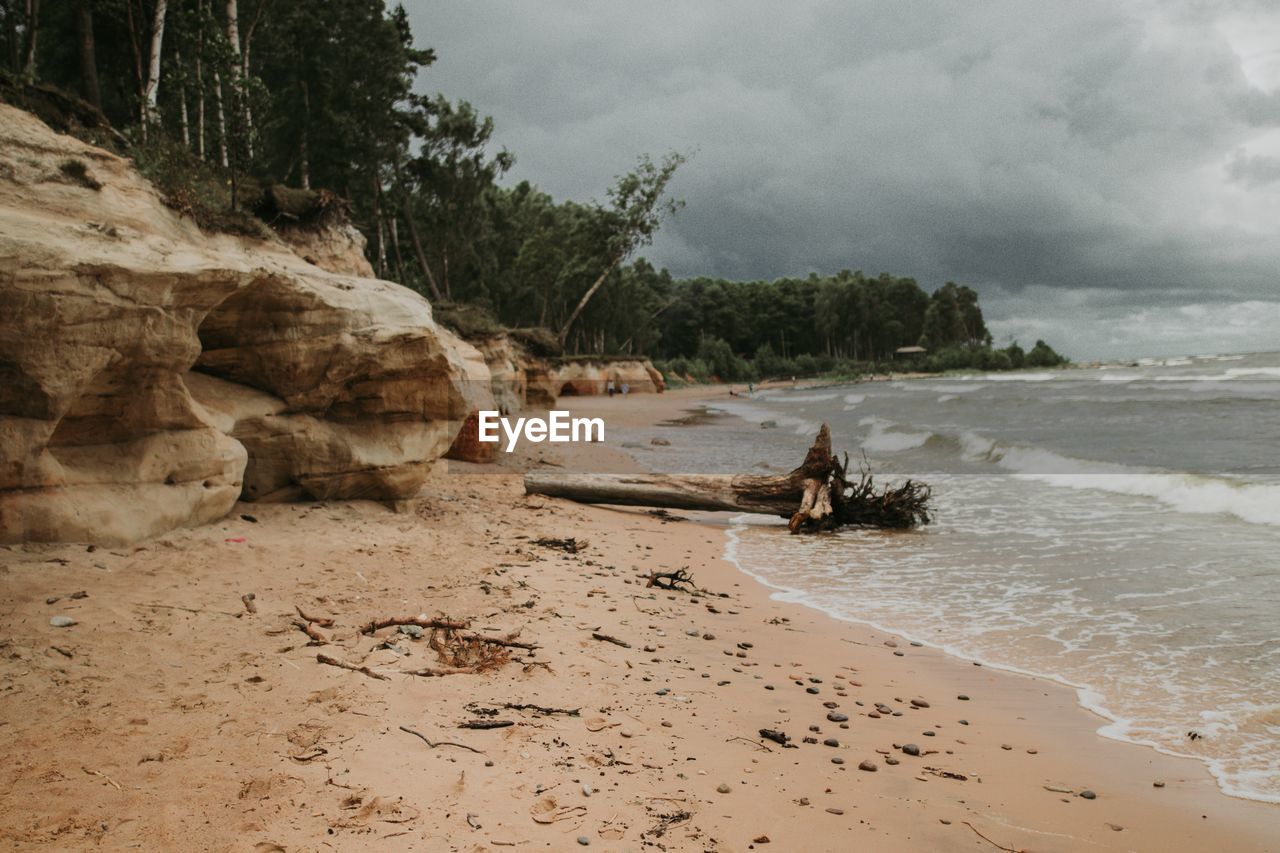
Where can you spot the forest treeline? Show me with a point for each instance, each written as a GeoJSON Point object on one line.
{"type": "Point", "coordinates": [223, 102]}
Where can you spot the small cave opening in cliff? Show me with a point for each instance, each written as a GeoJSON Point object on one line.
{"type": "Point", "coordinates": [230, 377]}
{"type": "Point", "coordinates": [569, 390]}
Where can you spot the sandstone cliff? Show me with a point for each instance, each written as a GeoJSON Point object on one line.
{"type": "Point", "coordinates": [306, 382]}
{"type": "Point", "coordinates": [588, 376]}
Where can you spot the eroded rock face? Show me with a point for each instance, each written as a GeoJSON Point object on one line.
{"type": "Point", "coordinates": [584, 377]}
{"type": "Point", "coordinates": [335, 248]}
{"type": "Point", "coordinates": [331, 386]}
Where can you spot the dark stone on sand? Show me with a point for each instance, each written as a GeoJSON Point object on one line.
{"type": "Point", "coordinates": [815, 680]}
{"type": "Point", "coordinates": [867, 765]}
{"type": "Point", "coordinates": [768, 687]}
{"type": "Point", "coordinates": [831, 742]}
{"type": "Point", "coordinates": [899, 654]}
{"type": "Point", "coordinates": [837, 760]}
{"type": "Point", "coordinates": [835, 811]}
{"type": "Point", "coordinates": [829, 704]}
{"type": "Point", "coordinates": [873, 715]}
{"type": "Point", "coordinates": [815, 728]}
{"type": "Point", "coordinates": [1006, 746]}
{"type": "Point", "coordinates": [963, 722]}
{"type": "Point", "coordinates": [910, 749]}
{"type": "Point", "coordinates": [919, 703]}
{"type": "Point", "coordinates": [1157, 784]}
{"type": "Point", "coordinates": [1088, 795]}
{"type": "Point", "coordinates": [812, 690]}
{"type": "Point", "coordinates": [928, 733]}
{"type": "Point", "coordinates": [963, 697]}
{"type": "Point", "coordinates": [836, 717]}
{"type": "Point", "coordinates": [891, 760]}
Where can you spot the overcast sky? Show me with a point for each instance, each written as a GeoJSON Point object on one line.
{"type": "Point", "coordinates": [1106, 174]}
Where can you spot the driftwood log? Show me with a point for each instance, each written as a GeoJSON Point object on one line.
{"type": "Point", "coordinates": [815, 496]}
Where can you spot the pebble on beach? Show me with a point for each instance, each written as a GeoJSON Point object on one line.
{"type": "Point", "coordinates": [62, 621]}
{"type": "Point", "coordinates": [869, 766]}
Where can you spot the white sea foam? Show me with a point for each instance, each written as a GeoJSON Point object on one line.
{"type": "Point", "coordinates": [1256, 503]}
{"type": "Point", "coordinates": [887, 437]}
{"type": "Point", "coordinates": [802, 398]}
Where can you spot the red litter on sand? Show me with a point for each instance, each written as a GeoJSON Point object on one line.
{"type": "Point", "coordinates": [235, 539]}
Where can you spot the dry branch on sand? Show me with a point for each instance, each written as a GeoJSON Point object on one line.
{"type": "Point", "coordinates": [672, 580]}
{"type": "Point", "coordinates": [363, 670]}
{"type": "Point", "coordinates": [815, 496]}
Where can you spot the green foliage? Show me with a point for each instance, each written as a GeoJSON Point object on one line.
{"type": "Point", "coordinates": [76, 172]}
{"type": "Point", "coordinates": [471, 322]}
{"type": "Point", "coordinates": [198, 189]}
{"type": "Point", "coordinates": [720, 360]}
{"type": "Point", "coordinates": [1042, 355]}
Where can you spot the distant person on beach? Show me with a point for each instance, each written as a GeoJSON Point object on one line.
{"type": "Point", "coordinates": [609, 387]}
{"type": "Point", "coordinates": [626, 388]}
{"type": "Point", "coordinates": [751, 389]}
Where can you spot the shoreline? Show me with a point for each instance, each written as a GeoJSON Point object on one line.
{"type": "Point", "coordinates": [148, 724]}
{"type": "Point", "coordinates": [791, 595]}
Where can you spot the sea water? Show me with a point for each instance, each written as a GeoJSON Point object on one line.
{"type": "Point", "coordinates": [1116, 529]}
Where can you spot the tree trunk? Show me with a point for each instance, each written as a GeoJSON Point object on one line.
{"type": "Point", "coordinates": [586, 297]}
{"type": "Point", "coordinates": [395, 247]}
{"type": "Point", "coordinates": [183, 118]}
{"type": "Point", "coordinates": [422, 255]}
{"type": "Point", "coordinates": [153, 69]}
{"type": "Point", "coordinates": [33, 34]}
{"type": "Point", "coordinates": [815, 496]}
{"type": "Point", "coordinates": [304, 154]}
{"type": "Point", "coordinates": [239, 90]}
{"type": "Point", "coordinates": [222, 120]}
{"type": "Point", "coordinates": [200, 81]}
{"type": "Point", "coordinates": [88, 56]}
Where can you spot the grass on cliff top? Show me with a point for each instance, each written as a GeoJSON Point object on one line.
{"type": "Point", "coordinates": [200, 190]}
{"type": "Point", "coordinates": [476, 323]}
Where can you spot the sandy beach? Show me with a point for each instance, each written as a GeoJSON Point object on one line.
{"type": "Point", "coordinates": [171, 717]}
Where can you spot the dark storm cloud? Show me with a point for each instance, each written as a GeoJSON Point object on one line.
{"type": "Point", "coordinates": [1014, 144]}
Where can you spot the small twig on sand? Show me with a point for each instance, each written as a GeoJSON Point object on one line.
{"type": "Point", "coordinates": [541, 709]}
{"type": "Point", "coordinates": [102, 775]}
{"type": "Point", "coordinates": [322, 621]}
{"type": "Point", "coordinates": [754, 743]}
{"type": "Point", "coordinates": [672, 580]}
{"type": "Point", "coordinates": [569, 545]}
{"type": "Point", "coordinates": [440, 671]}
{"type": "Point", "coordinates": [434, 743]}
{"type": "Point", "coordinates": [308, 628]}
{"type": "Point", "coordinates": [363, 670]}
{"type": "Point", "coordinates": [608, 639]}
{"type": "Point", "coordinates": [988, 840]}
{"type": "Point", "coordinates": [485, 724]}
{"type": "Point", "coordinates": [188, 609]}
{"type": "Point", "coordinates": [420, 621]}
{"type": "Point", "coordinates": [249, 605]}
